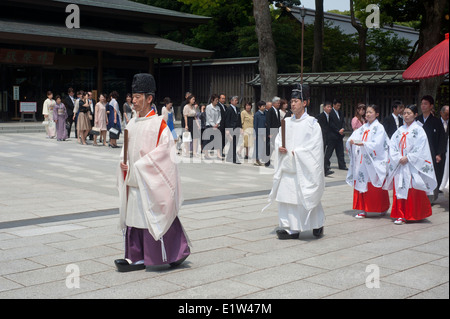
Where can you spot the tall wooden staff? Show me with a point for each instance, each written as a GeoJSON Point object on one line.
{"type": "Point", "coordinates": [125, 151]}
{"type": "Point", "coordinates": [283, 133]}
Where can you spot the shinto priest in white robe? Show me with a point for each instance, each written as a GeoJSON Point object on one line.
{"type": "Point", "coordinates": [299, 181]}
{"type": "Point", "coordinates": [150, 195]}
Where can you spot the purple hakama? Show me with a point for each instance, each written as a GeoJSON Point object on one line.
{"type": "Point", "coordinates": [140, 245]}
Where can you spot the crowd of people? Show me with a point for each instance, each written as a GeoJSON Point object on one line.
{"type": "Point", "coordinates": [206, 130]}
{"type": "Point", "coordinates": [86, 117]}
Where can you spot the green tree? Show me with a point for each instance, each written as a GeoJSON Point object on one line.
{"type": "Point", "coordinates": [221, 34]}
{"type": "Point", "coordinates": [386, 51]}
{"type": "Point", "coordinates": [432, 23]}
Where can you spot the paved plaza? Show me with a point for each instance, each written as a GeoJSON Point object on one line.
{"type": "Point", "coordinates": [59, 235]}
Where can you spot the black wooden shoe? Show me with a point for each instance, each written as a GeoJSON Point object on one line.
{"type": "Point", "coordinates": [124, 265]}
{"type": "Point", "coordinates": [178, 262]}
{"type": "Point", "coordinates": [283, 235]}
{"type": "Point", "coordinates": [318, 232]}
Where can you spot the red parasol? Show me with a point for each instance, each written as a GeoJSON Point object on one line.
{"type": "Point", "coordinates": [433, 63]}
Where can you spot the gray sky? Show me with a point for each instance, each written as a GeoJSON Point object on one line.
{"type": "Point", "coordinates": [341, 5]}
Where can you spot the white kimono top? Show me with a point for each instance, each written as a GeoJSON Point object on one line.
{"type": "Point", "coordinates": [299, 179]}
{"type": "Point", "coordinates": [418, 173]}
{"type": "Point", "coordinates": [368, 163]}
{"type": "Point", "coordinates": [153, 174]}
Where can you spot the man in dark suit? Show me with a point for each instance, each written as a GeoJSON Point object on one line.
{"type": "Point", "coordinates": [259, 125]}
{"type": "Point", "coordinates": [324, 122]}
{"type": "Point", "coordinates": [233, 128]}
{"type": "Point", "coordinates": [393, 121]}
{"type": "Point", "coordinates": [69, 103]}
{"type": "Point", "coordinates": [336, 136]}
{"type": "Point", "coordinates": [273, 124]}
{"type": "Point", "coordinates": [436, 136]}
{"type": "Point", "coordinates": [223, 111]}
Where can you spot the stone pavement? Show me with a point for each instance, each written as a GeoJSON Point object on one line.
{"type": "Point", "coordinates": [59, 216]}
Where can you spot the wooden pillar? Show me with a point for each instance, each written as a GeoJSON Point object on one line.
{"type": "Point", "coordinates": [99, 72]}
{"type": "Point", "coordinates": [191, 82]}
{"type": "Point", "coordinates": [183, 87]}
{"type": "Point", "coordinates": [151, 65]}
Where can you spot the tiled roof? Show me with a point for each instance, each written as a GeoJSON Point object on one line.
{"type": "Point", "coordinates": [87, 36]}
{"type": "Point", "coordinates": [339, 78]}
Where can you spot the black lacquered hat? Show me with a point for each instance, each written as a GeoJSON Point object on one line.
{"type": "Point", "coordinates": [143, 83]}
{"type": "Point", "coordinates": [301, 92]}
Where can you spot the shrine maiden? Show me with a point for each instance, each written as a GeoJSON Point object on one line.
{"type": "Point", "coordinates": [411, 171]}
{"type": "Point", "coordinates": [368, 149]}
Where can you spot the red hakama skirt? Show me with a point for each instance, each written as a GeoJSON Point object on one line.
{"type": "Point", "coordinates": [416, 207]}
{"type": "Point", "coordinates": [375, 200]}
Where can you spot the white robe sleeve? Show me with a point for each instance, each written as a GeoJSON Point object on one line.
{"type": "Point", "coordinates": [309, 159]}
{"type": "Point", "coordinates": [123, 194]}
{"type": "Point", "coordinates": [160, 185]}
{"type": "Point", "coordinates": [368, 163]}
{"type": "Point", "coordinates": [418, 172]}
{"type": "Point", "coordinates": [306, 163]}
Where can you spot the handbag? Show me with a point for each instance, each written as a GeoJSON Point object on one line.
{"type": "Point", "coordinates": [113, 133]}
{"type": "Point", "coordinates": [95, 131]}
{"type": "Point", "coordinates": [45, 122]}
{"type": "Point", "coordinates": [187, 137]}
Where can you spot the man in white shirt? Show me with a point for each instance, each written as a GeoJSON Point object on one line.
{"type": "Point", "coordinates": [211, 135]}
{"type": "Point", "coordinates": [393, 121]}
{"type": "Point", "coordinates": [444, 117]}
{"type": "Point", "coordinates": [233, 129]}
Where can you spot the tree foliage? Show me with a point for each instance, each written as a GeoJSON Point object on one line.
{"type": "Point", "coordinates": [231, 33]}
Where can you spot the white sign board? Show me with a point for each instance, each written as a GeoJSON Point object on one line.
{"type": "Point", "coordinates": [16, 96]}
{"type": "Point", "coordinates": [28, 107]}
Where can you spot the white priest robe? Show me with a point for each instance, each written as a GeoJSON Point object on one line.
{"type": "Point", "coordinates": [150, 195]}
{"type": "Point", "coordinates": [412, 142]}
{"type": "Point", "coordinates": [299, 180]}
{"type": "Point", "coordinates": [368, 163]}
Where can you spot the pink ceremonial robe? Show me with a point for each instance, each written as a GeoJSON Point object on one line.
{"type": "Point", "coordinates": [150, 195]}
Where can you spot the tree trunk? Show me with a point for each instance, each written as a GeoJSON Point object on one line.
{"type": "Point", "coordinates": [430, 35]}
{"type": "Point", "coordinates": [317, 65]}
{"type": "Point", "coordinates": [267, 51]}
{"type": "Point", "coordinates": [362, 36]}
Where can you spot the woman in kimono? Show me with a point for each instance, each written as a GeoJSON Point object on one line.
{"type": "Point", "coordinates": [411, 172]}
{"type": "Point", "coordinates": [368, 152]}
{"type": "Point", "coordinates": [47, 111]}
{"type": "Point", "coordinates": [60, 116]}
